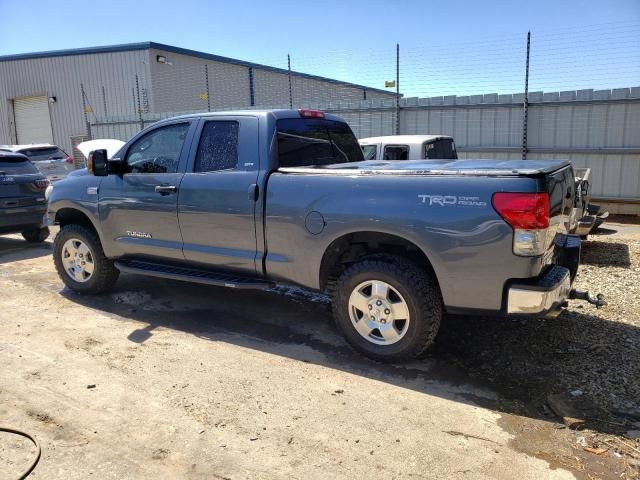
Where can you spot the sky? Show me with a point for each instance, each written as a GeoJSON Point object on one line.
{"type": "Point", "coordinates": [446, 47]}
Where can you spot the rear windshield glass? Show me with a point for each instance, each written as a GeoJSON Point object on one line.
{"type": "Point", "coordinates": [307, 142]}
{"type": "Point", "coordinates": [442, 149]}
{"type": "Point", "coordinates": [10, 165]}
{"type": "Point", "coordinates": [50, 153]}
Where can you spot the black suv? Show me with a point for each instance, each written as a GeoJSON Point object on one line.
{"type": "Point", "coordinates": [22, 197]}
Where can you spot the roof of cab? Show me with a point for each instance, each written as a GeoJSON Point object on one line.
{"type": "Point", "coordinates": [402, 139]}
{"type": "Point", "coordinates": [276, 113]}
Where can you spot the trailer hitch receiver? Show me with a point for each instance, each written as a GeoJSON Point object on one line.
{"type": "Point", "coordinates": [598, 300]}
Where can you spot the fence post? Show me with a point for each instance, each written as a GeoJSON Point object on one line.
{"type": "Point", "coordinates": [206, 78]}
{"type": "Point", "coordinates": [290, 91]}
{"type": "Point", "coordinates": [104, 102]}
{"type": "Point", "coordinates": [397, 89]}
{"type": "Point", "coordinates": [525, 112]}
{"type": "Point", "coordinates": [85, 110]}
{"type": "Point", "coordinates": [139, 106]}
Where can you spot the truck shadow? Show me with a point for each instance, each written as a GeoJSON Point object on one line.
{"type": "Point", "coordinates": [473, 357]}
{"type": "Point", "coordinates": [14, 248]}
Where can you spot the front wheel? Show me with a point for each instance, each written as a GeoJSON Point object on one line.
{"type": "Point", "coordinates": [81, 262]}
{"type": "Point", "coordinates": [389, 309]}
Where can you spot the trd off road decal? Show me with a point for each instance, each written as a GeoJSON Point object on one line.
{"type": "Point", "coordinates": [451, 201]}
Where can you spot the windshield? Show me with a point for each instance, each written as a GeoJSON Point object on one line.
{"type": "Point", "coordinates": [307, 142]}
{"type": "Point", "coordinates": [15, 165]}
{"type": "Point", "coordinates": [46, 153]}
{"type": "Point", "coordinates": [369, 151]}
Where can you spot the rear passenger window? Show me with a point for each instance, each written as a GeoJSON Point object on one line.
{"type": "Point", "coordinates": [218, 148]}
{"type": "Point", "coordinates": [396, 152]}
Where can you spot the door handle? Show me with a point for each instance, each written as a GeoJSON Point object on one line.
{"type": "Point", "coordinates": [253, 192]}
{"type": "Point", "coordinates": [166, 189]}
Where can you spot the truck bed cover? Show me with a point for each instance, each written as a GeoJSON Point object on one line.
{"type": "Point", "coordinates": [437, 167]}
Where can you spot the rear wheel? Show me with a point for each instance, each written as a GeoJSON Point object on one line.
{"type": "Point", "coordinates": [81, 262]}
{"type": "Point", "coordinates": [37, 235]}
{"type": "Point", "coordinates": [388, 308]}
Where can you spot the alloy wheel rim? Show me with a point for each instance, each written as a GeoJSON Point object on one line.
{"type": "Point", "coordinates": [77, 260]}
{"type": "Point", "coordinates": [378, 312]}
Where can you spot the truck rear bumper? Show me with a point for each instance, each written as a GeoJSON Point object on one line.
{"type": "Point", "coordinates": [545, 297]}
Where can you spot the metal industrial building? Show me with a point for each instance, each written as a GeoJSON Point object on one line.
{"type": "Point", "coordinates": [54, 96]}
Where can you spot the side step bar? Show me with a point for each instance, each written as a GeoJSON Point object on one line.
{"type": "Point", "coordinates": [192, 275]}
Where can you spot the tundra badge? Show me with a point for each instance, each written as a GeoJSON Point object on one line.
{"type": "Point", "coordinates": [131, 233]}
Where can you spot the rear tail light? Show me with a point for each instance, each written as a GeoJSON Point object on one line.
{"type": "Point", "coordinates": [311, 113]}
{"type": "Point", "coordinates": [68, 160]}
{"type": "Point", "coordinates": [42, 184]}
{"type": "Point", "coordinates": [528, 215]}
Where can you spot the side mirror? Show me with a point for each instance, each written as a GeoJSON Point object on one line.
{"type": "Point", "coordinates": [97, 163]}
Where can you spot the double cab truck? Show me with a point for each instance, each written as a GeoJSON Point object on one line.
{"type": "Point", "coordinates": [253, 198]}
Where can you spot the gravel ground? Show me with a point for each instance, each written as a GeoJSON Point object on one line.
{"type": "Point", "coordinates": [588, 356]}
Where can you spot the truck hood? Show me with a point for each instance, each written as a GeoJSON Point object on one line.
{"type": "Point", "coordinates": [439, 167]}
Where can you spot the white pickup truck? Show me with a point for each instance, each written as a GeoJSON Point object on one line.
{"type": "Point", "coordinates": [409, 147]}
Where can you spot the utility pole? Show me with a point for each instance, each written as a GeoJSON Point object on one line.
{"type": "Point", "coordinates": [290, 91]}
{"type": "Point", "coordinates": [525, 113]}
{"type": "Point", "coordinates": [397, 89]}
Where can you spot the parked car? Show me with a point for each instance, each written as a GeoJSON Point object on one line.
{"type": "Point", "coordinates": [50, 160]}
{"type": "Point", "coordinates": [247, 199]}
{"type": "Point", "coordinates": [409, 147]}
{"type": "Point", "coordinates": [22, 197]}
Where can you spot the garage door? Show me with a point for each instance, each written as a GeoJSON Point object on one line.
{"type": "Point", "coordinates": [33, 123]}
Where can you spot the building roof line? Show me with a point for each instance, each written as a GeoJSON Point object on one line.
{"type": "Point", "coordinates": [127, 47]}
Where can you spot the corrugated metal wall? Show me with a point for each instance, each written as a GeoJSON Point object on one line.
{"type": "Point", "coordinates": [127, 89]}
{"type": "Point", "coordinates": [109, 81]}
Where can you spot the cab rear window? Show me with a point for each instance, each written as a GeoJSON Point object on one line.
{"type": "Point", "coordinates": [312, 142]}
{"type": "Point", "coordinates": [441, 149]}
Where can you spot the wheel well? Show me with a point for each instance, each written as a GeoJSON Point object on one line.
{"type": "Point", "coordinates": [69, 216]}
{"type": "Point", "coordinates": [353, 247]}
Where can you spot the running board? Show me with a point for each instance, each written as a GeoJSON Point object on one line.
{"type": "Point", "coordinates": [187, 274]}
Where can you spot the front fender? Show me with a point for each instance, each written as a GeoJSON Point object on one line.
{"type": "Point", "coordinates": [78, 193]}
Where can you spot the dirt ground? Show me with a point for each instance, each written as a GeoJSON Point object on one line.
{"type": "Point", "coordinates": [162, 379]}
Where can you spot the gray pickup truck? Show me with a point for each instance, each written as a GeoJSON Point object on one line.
{"type": "Point", "coordinates": [253, 198]}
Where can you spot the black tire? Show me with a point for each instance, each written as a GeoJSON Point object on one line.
{"type": "Point", "coordinates": [37, 235]}
{"type": "Point", "coordinates": [105, 273]}
{"type": "Point", "coordinates": [421, 294]}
